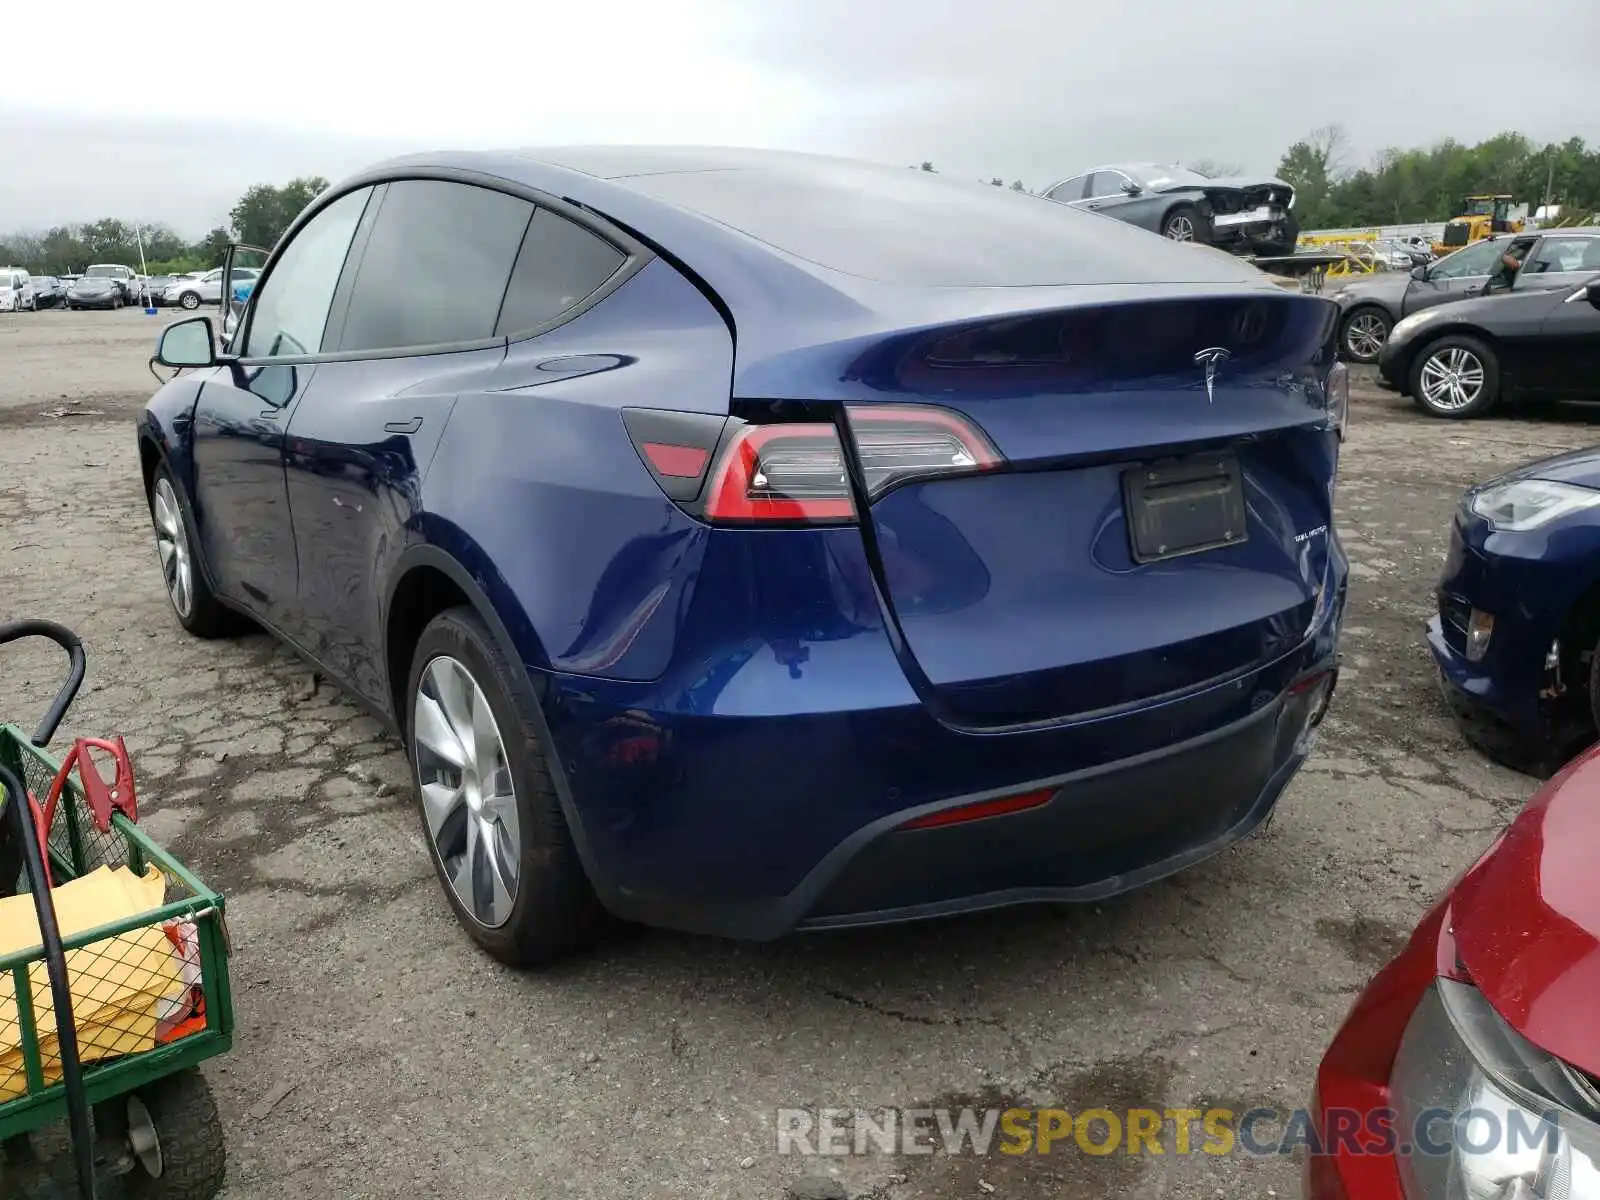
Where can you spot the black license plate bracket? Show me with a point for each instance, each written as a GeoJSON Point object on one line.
{"type": "Point", "coordinates": [1184, 506]}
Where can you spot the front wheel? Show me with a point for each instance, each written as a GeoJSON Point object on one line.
{"type": "Point", "coordinates": [1363, 334]}
{"type": "Point", "coordinates": [197, 608]}
{"type": "Point", "coordinates": [189, 301]}
{"type": "Point", "coordinates": [1185, 224]}
{"type": "Point", "coordinates": [1456, 377]}
{"type": "Point", "coordinates": [494, 825]}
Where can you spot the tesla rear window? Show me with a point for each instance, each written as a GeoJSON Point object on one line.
{"type": "Point", "coordinates": [905, 226]}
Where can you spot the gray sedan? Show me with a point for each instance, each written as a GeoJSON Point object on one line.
{"type": "Point", "coordinates": [1372, 306]}
{"type": "Point", "coordinates": [1247, 215]}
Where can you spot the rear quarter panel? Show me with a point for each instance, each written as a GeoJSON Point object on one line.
{"type": "Point", "coordinates": [538, 492]}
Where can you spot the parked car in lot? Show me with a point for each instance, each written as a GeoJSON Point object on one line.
{"type": "Point", "coordinates": [167, 293]}
{"type": "Point", "coordinates": [835, 622]}
{"type": "Point", "coordinates": [1531, 343]}
{"type": "Point", "coordinates": [1470, 1066]}
{"type": "Point", "coordinates": [16, 290]}
{"type": "Point", "coordinates": [1518, 622]}
{"type": "Point", "coordinates": [95, 291]}
{"type": "Point", "coordinates": [1373, 304]}
{"type": "Point", "coordinates": [126, 279]}
{"type": "Point", "coordinates": [1245, 216]}
{"type": "Point", "coordinates": [197, 290]}
{"type": "Point", "coordinates": [48, 292]}
{"type": "Point", "coordinates": [156, 287]}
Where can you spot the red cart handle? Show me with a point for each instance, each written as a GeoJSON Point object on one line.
{"type": "Point", "coordinates": [101, 797]}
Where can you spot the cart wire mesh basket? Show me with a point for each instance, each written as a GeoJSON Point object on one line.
{"type": "Point", "coordinates": [150, 991]}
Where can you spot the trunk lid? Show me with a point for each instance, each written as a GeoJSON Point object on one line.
{"type": "Point", "coordinates": [1161, 523]}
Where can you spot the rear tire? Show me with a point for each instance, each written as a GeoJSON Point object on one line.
{"type": "Point", "coordinates": [1183, 223]}
{"type": "Point", "coordinates": [553, 911]}
{"type": "Point", "coordinates": [1455, 378]}
{"type": "Point", "coordinates": [1363, 333]}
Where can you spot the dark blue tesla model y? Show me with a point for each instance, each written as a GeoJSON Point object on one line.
{"type": "Point", "coordinates": [744, 541]}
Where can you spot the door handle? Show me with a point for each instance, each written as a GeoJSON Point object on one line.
{"type": "Point", "coordinates": [411, 426]}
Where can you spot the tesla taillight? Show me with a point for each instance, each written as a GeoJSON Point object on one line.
{"type": "Point", "coordinates": [796, 473]}
{"type": "Point", "coordinates": [899, 443]}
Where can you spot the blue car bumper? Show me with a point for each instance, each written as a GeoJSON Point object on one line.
{"type": "Point", "coordinates": [1528, 585]}
{"type": "Point", "coordinates": [752, 825]}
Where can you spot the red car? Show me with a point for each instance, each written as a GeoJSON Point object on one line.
{"type": "Point", "coordinates": [1469, 1069]}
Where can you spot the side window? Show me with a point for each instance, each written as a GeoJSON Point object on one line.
{"type": "Point", "coordinates": [1104, 184]}
{"type": "Point", "coordinates": [559, 264]}
{"type": "Point", "coordinates": [291, 311]}
{"type": "Point", "coordinates": [1069, 189]}
{"type": "Point", "coordinates": [1477, 259]}
{"type": "Point", "coordinates": [1556, 254]}
{"type": "Point", "coordinates": [435, 268]}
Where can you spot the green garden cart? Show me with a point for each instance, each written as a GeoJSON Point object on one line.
{"type": "Point", "coordinates": [113, 977]}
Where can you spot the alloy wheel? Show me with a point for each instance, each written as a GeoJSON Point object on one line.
{"type": "Point", "coordinates": [469, 801]}
{"type": "Point", "coordinates": [1452, 379]}
{"type": "Point", "coordinates": [1180, 229]}
{"type": "Point", "coordinates": [172, 544]}
{"type": "Point", "coordinates": [1365, 334]}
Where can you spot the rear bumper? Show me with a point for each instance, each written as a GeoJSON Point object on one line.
{"type": "Point", "coordinates": [1104, 831]}
{"type": "Point", "coordinates": [755, 827]}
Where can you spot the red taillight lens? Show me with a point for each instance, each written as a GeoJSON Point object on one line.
{"type": "Point", "coordinates": [796, 472]}
{"type": "Point", "coordinates": [781, 473]}
{"type": "Point", "coordinates": [897, 443]}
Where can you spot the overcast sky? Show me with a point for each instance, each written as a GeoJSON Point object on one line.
{"type": "Point", "coordinates": [1029, 89]}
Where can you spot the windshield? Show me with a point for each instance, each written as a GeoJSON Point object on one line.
{"type": "Point", "coordinates": [1158, 175]}
{"type": "Point", "coordinates": [104, 272]}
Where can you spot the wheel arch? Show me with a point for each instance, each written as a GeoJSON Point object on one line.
{"type": "Point", "coordinates": [428, 580]}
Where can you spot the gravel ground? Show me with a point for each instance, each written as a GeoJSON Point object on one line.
{"type": "Point", "coordinates": [416, 1066]}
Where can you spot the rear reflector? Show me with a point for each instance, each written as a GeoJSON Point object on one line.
{"type": "Point", "coordinates": [680, 462]}
{"type": "Point", "coordinates": [983, 808]}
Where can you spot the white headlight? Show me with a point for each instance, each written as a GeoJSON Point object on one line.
{"type": "Point", "coordinates": [1529, 503]}
{"type": "Point", "coordinates": [1486, 1114]}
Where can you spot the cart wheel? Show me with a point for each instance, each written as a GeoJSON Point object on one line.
{"type": "Point", "coordinates": [175, 1136]}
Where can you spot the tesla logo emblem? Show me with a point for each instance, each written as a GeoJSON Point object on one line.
{"type": "Point", "coordinates": [1211, 358]}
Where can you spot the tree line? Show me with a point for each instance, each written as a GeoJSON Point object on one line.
{"type": "Point", "coordinates": [258, 218]}
{"type": "Point", "coordinates": [1402, 187]}
{"type": "Point", "coordinates": [1398, 187]}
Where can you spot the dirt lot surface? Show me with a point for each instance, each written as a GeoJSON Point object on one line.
{"type": "Point", "coordinates": [417, 1067]}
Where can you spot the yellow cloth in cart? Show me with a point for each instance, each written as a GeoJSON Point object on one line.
{"type": "Point", "coordinates": [117, 983]}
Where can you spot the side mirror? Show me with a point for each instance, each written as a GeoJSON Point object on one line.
{"type": "Point", "coordinates": [1591, 291]}
{"type": "Point", "coordinates": [1419, 273]}
{"type": "Point", "coordinates": [187, 344]}
{"type": "Point", "coordinates": [1131, 189]}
